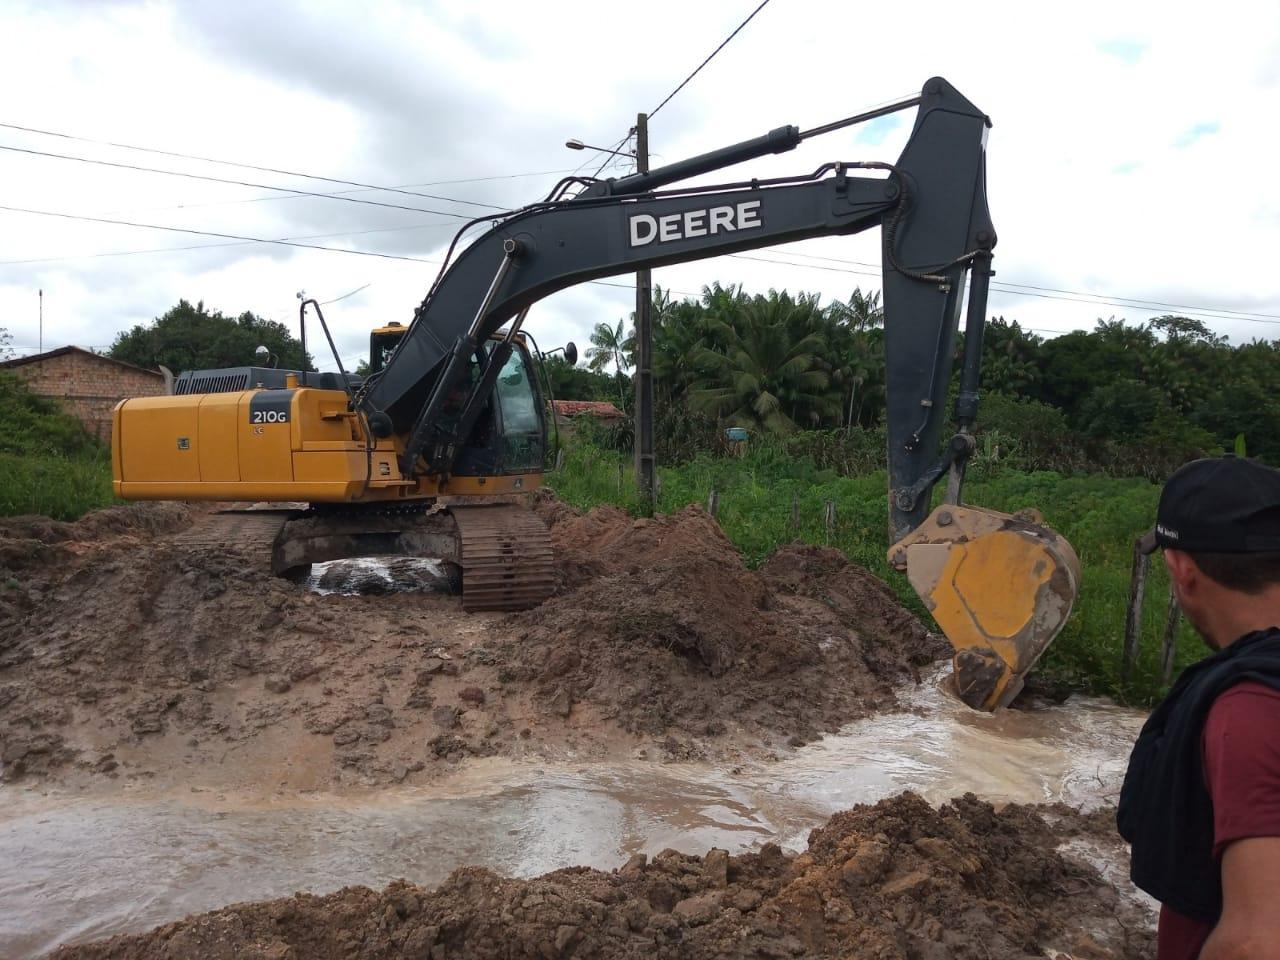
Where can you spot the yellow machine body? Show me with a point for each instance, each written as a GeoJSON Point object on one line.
{"type": "Point", "coordinates": [296, 444]}
{"type": "Point", "coordinates": [1000, 586]}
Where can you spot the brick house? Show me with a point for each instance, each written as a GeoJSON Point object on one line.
{"type": "Point", "coordinates": [87, 384]}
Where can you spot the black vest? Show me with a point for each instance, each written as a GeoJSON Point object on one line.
{"type": "Point", "coordinates": [1165, 809]}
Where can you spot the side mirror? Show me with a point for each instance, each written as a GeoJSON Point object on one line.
{"type": "Point", "coordinates": [571, 354]}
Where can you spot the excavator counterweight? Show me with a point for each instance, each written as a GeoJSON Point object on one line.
{"type": "Point", "coordinates": [408, 459]}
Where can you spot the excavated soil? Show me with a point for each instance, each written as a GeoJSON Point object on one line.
{"type": "Point", "coordinates": [895, 880]}
{"type": "Point", "coordinates": [663, 629]}
{"type": "Point", "coordinates": [126, 650]}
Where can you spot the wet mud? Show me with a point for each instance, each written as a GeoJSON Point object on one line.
{"type": "Point", "coordinates": [136, 654]}
{"type": "Point", "coordinates": [899, 879]}
{"type": "Point", "coordinates": [178, 715]}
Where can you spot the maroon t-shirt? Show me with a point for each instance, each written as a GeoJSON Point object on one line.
{"type": "Point", "coordinates": [1241, 755]}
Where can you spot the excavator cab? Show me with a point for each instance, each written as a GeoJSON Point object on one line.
{"type": "Point", "coordinates": [382, 344]}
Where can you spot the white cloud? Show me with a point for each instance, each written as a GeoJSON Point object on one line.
{"type": "Point", "coordinates": [1088, 191]}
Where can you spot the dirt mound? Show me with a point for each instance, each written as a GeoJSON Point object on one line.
{"type": "Point", "coordinates": [608, 540]}
{"type": "Point", "coordinates": [894, 880]}
{"type": "Point", "coordinates": [30, 541]}
{"type": "Point", "coordinates": [663, 629]}
{"type": "Point", "coordinates": [158, 658]}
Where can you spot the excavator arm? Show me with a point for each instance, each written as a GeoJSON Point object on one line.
{"type": "Point", "coordinates": [999, 586]}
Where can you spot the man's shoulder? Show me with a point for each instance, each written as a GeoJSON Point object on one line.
{"type": "Point", "coordinates": [1247, 694]}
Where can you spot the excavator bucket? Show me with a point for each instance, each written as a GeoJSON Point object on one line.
{"type": "Point", "coordinates": [1000, 586]}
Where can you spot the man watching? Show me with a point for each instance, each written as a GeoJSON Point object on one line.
{"type": "Point", "coordinates": [1201, 798]}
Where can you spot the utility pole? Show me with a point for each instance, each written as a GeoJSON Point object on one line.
{"type": "Point", "coordinates": [645, 466]}
{"type": "Point", "coordinates": [40, 349]}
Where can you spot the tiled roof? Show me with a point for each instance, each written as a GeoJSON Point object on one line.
{"type": "Point", "coordinates": [596, 408]}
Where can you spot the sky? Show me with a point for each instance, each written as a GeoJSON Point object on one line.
{"type": "Point", "coordinates": [1131, 163]}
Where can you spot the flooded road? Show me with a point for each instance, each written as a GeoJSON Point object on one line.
{"type": "Point", "coordinates": [81, 868]}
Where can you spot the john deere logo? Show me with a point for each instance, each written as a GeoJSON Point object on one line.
{"type": "Point", "coordinates": [706, 222]}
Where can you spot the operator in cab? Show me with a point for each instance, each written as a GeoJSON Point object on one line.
{"type": "Point", "coordinates": [1201, 799]}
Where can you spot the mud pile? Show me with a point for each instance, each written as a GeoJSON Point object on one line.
{"type": "Point", "coordinates": [894, 880]}
{"type": "Point", "coordinates": [661, 626]}
{"type": "Point", "coordinates": [160, 658]}
{"type": "Point", "coordinates": [33, 541]}
{"type": "Point", "coordinates": [145, 653]}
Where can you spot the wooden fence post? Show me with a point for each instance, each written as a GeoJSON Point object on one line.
{"type": "Point", "coordinates": [795, 511]}
{"type": "Point", "coordinates": [829, 515]}
{"type": "Point", "coordinates": [1170, 645]}
{"type": "Point", "coordinates": [713, 502]}
{"type": "Point", "coordinates": [1133, 618]}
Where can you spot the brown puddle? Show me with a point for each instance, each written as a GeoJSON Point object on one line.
{"type": "Point", "coordinates": [82, 868]}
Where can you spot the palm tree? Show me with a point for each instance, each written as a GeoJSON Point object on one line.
{"type": "Point", "coordinates": [857, 352]}
{"type": "Point", "coordinates": [609, 345]}
{"type": "Point", "coordinates": [762, 373]}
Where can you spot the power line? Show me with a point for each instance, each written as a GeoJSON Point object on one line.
{"type": "Point", "coordinates": [247, 183]}
{"type": "Point", "coordinates": [1022, 290]}
{"type": "Point", "coordinates": [350, 293]}
{"type": "Point", "coordinates": [247, 166]}
{"type": "Point", "coordinates": [1136, 301]}
{"type": "Point", "coordinates": [218, 246]}
{"type": "Point", "coordinates": [208, 233]}
{"type": "Point", "coordinates": [245, 239]}
{"type": "Point", "coordinates": [274, 196]}
{"type": "Point", "coordinates": [725, 42]}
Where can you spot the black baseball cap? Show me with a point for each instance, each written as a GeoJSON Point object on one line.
{"type": "Point", "coordinates": [1219, 505]}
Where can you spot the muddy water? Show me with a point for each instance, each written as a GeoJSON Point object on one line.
{"type": "Point", "coordinates": [80, 868]}
{"type": "Point", "coordinates": [378, 576]}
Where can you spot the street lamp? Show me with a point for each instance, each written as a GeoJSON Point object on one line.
{"type": "Point", "coordinates": [579, 145]}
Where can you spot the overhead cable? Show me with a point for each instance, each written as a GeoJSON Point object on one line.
{"type": "Point", "coordinates": [246, 166]}
{"type": "Point", "coordinates": [244, 183]}
{"type": "Point", "coordinates": [710, 57]}
{"type": "Point", "coordinates": [1025, 290]}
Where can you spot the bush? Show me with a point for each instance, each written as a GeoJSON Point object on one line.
{"type": "Point", "coordinates": [37, 425]}
{"type": "Point", "coordinates": [49, 463]}
{"type": "Point", "coordinates": [64, 488]}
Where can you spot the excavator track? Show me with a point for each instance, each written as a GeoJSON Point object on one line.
{"type": "Point", "coordinates": [251, 531]}
{"type": "Point", "coordinates": [506, 558]}
{"type": "Point", "coordinates": [503, 550]}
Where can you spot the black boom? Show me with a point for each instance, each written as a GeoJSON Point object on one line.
{"type": "Point", "coordinates": [936, 228]}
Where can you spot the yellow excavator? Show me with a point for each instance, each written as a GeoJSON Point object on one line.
{"type": "Point", "coordinates": [408, 459]}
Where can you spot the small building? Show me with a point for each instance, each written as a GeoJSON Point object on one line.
{"type": "Point", "coordinates": [569, 410]}
{"type": "Point", "coordinates": [87, 384]}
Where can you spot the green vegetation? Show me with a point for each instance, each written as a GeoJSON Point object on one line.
{"type": "Point", "coordinates": [1099, 515]}
{"type": "Point", "coordinates": [192, 338]}
{"type": "Point", "coordinates": [1124, 399]}
{"type": "Point", "coordinates": [48, 463]}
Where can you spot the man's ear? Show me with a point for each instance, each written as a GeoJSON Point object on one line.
{"type": "Point", "coordinates": [1183, 571]}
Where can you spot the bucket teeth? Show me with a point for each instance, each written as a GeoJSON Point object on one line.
{"type": "Point", "coordinates": [1001, 588]}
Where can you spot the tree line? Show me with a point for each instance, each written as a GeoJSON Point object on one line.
{"type": "Point", "coordinates": [1126, 397]}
